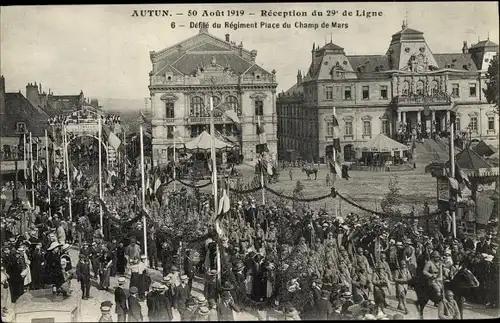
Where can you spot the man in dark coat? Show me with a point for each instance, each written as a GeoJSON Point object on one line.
{"type": "Point", "coordinates": [121, 301]}
{"type": "Point", "coordinates": [181, 295]}
{"type": "Point", "coordinates": [83, 269]}
{"type": "Point", "coordinates": [169, 291]}
{"type": "Point", "coordinates": [164, 305]}
{"type": "Point", "coordinates": [210, 286]}
{"type": "Point", "coordinates": [151, 302]}
{"type": "Point", "coordinates": [37, 258]}
{"type": "Point", "coordinates": [324, 308]}
{"type": "Point", "coordinates": [121, 262]}
{"type": "Point", "coordinates": [134, 307]}
{"type": "Point", "coordinates": [95, 254]}
{"type": "Point", "coordinates": [226, 307]}
{"type": "Point", "coordinates": [166, 258]}
{"type": "Point", "coordinates": [189, 269]}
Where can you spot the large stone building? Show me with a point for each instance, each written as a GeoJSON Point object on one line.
{"type": "Point", "coordinates": [185, 76]}
{"type": "Point", "coordinates": [408, 87]}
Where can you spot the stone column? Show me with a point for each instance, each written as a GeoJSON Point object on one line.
{"type": "Point", "coordinates": [404, 117]}
{"type": "Point", "coordinates": [419, 116]}
{"type": "Point", "coordinates": [398, 125]}
{"type": "Point", "coordinates": [448, 119]}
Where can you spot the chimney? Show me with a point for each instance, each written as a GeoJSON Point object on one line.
{"type": "Point", "coordinates": [227, 38]}
{"type": "Point", "coordinates": [32, 94]}
{"type": "Point", "coordinates": [465, 50]}
{"type": "Point", "coordinates": [299, 78]}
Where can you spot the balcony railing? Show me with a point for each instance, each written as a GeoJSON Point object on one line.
{"type": "Point", "coordinates": [439, 98]}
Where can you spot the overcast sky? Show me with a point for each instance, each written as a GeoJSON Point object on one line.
{"type": "Point", "coordinates": [104, 51]}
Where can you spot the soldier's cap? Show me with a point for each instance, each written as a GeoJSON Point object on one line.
{"type": "Point", "coordinates": [166, 279]}
{"type": "Point", "coordinates": [133, 290]}
{"type": "Point", "coordinates": [190, 302]}
{"type": "Point", "coordinates": [121, 280]}
{"type": "Point", "coordinates": [105, 309]}
{"type": "Point", "coordinates": [204, 310]}
{"type": "Point", "coordinates": [184, 277]}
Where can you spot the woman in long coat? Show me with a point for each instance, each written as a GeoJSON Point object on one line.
{"type": "Point", "coordinates": [55, 275]}
{"type": "Point", "coordinates": [105, 263]}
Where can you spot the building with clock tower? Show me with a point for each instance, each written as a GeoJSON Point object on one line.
{"type": "Point", "coordinates": [185, 76]}
{"type": "Point", "coordinates": [406, 90]}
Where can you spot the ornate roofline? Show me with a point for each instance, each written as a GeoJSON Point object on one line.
{"type": "Point", "coordinates": [156, 56]}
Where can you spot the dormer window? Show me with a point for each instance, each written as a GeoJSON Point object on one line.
{"type": "Point", "coordinates": [21, 127]}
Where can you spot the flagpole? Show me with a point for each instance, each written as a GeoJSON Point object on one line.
{"type": "Point", "coordinates": [143, 197]}
{"type": "Point", "coordinates": [48, 166]}
{"type": "Point", "coordinates": [25, 149]}
{"type": "Point", "coordinates": [263, 191]}
{"type": "Point", "coordinates": [214, 179]}
{"type": "Point", "coordinates": [100, 175]}
{"type": "Point", "coordinates": [66, 154]}
{"type": "Point", "coordinates": [64, 151]}
{"type": "Point", "coordinates": [175, 162]}
{"type": "Point", "coordinates": [452, 170]}
{"type": "Point", "coordinates": [334, 159]}
{"type": "Point", "coordinates": [32, 174]}
{"type": "Point", "coordinates": [125, 157]}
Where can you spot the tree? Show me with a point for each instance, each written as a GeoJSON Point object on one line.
{"type": "Point", "coordinates": [392, 198]}
{"type": "Point", "coordinates": [491, 91]}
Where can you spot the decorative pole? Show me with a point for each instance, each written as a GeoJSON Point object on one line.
{"type": "Point", "coordinates": [175, 162]}
{"type": "Point", "coordinates": [214, 180]}
{"type": "Point", "coordinates": [263, 191]}
{"type": "Point", "coordinates": [143, 196]}
{"type": "Point", "coordinates": [334, 161]}
{"type": "Point", "coordinates": [452, 171]}
{"type": "Point", "coordinates": [48, 167]}
{"type": "Point", "coordinates": [100, 176]}
{"type": "Point", "coordinates": [32, 174]}
{"type": "Point", "coordinates": [66, 155]}
{"type": "Point", "coordinates": [25, 164]}
{"type": "Point", "coordinates": [125, 159]}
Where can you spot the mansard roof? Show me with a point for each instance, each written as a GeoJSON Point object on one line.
{"type": "Point", "coordinates": [201, 50]}
{"type": "Point", "coordinates": [19, 109]}
{"type": "Point", "coordinates": [483, 44]}
{"type": "Point", "coordinates": [458, 61]}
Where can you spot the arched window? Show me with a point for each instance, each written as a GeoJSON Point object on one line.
{"type": "Point", "coordinates": [232, 102]}
{"type": "Point", "coordinates": [216, 103]}
{"type": "Point", "coordinates": [434, 87]}
{"type": "Point", "coordinates": [406, 88]}
{"type": "Point", "coordinates": [196, 106]}
{"type": "Point", "coordinates": [420, 87]}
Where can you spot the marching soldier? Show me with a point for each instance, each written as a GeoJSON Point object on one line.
{"type": "Point", "coordinates": [134, 307]}
{"type": "Point", "coordinates": [83, 269]}
{"type": "Point", "coordinates": [432, 271]}
{"type": "Point", "coordinates": [121, 300]}
{"type": "Point", "coordinates": [402, 277]}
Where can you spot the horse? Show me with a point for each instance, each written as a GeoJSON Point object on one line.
{"type": "Point", "coordinates": [460, 284]}
{"type": "Point", "coordinates": [310, 171]}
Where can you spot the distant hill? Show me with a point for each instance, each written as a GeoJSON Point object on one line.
{"type": "Point", "coordinates": [122, 105]}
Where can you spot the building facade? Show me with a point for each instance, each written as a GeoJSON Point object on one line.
{"type": "Point", "coordinates": [185, 76]}
{"type": "Point", "coordinates": [408, 89]}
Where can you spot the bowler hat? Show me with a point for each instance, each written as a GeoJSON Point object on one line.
{"type": "Point", "coordinates": [133, 290]}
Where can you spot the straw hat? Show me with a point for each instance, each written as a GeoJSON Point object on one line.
{"type": "Point", "coordinates": [53, 245]}
{"type": "Point", "coordinates": [203, 310]}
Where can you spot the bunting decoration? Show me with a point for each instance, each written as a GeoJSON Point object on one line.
{"type": "Point", "coordinates": [110, 137]}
